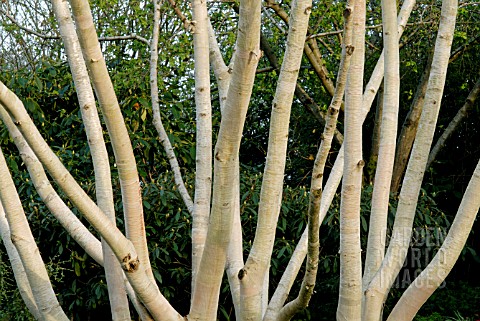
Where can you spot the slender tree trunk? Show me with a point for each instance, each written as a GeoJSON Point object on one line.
{"type": "Point", "coordinates": [381, 283]}
{"type": "Point", "coordinates": [103, 186]}
{"type": "Point", "coordinates": [157, 119]}
{"type": "Point", "coordinates": [21, 236]}
{"type": "Point", "coordinates": [203, 159]}
{"type": "Point", "coordinates": [122, 147]}
{"type": "Point", "coordinates": [377, 75]}
{"type": "Point", "coordinates": [253, 274]}
{"type": "Point", "coordinates": [388, 134]}
{"type": "Point", "coordinates": [437, 270]}
{"type": "Point", "coordinates": [17, 267]}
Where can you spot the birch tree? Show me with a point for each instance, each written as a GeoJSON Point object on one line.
{"type": "Point", "coordinates": [214, 202]}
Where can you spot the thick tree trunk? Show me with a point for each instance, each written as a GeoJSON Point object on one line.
{"type": "Point", "coordinates": [210, 272]}
{"type": "Point", "coordinates": [350, 296]}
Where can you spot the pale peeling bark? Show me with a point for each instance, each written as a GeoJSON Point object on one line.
{"type": "Point", "coordinates": [453, 125]}
{"type": "Point", "coordinates": [203, 158]}
{"type": "Point", "coordinates": [253, 274]}
{"type": "Point", "coordinates": [397, 250]}
{"type": "Point", "coordinates": [122, 247]}
{"type": "Point", "coordinates": [235, 248]}
{"type": "Point", "coordinates": [157, 118]}
{"type": "Point", "coordinates": [350, 296]}
{"type": "Point", "coordinates": [17, 267]}
{"type": "Point", "coordinates": [103, 186]}
{"type": "Point", "coordinates": [207, 285]}
{"type": "Point", "coordinates": [122, 147]}
{"type": "Point", "coordinates": [437, 270]}
{"type": "Point", "coordinates": [21, 236]}
{"type": "Point", "coordinates": [388, 134]}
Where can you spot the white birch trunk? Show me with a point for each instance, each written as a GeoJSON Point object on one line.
{"type": "Point", "coordinates": [350, 296]}
{"type": "Point", "coordinates": [203, 158]}
{"type": "Point", "coordinates": [437, 270]}
{"type": "Point", "coordinates": [124, 250]}
{"type": "Point", "coordinates": [207, 284]}
{"type": "Point", "coordinates": [21, 236]}
{"type": "Point", "coordinates": [381, 283]}
{"type": "Point", "coordinates": [103, 186]}
{"type": "Point", "coordinates": [252, 275]}
{"type": "Point", "coordinates": [17, 267]}
{"type": "Point", "coordinates": [235, 248]}
{"type": "Point", "coordinates": [388, 135]}
{"type": "Point", "coordinates": [122, 147]}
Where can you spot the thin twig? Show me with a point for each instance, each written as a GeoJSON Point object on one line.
{"type": "Point", "coordinates": [56, 37]}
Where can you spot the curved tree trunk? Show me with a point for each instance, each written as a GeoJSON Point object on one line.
{"type": "Point", "coordinates": [101, 165]}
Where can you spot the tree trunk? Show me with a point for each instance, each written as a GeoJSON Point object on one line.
{"type": "Point", "coordinates": [388, 134]}
{"type": "Point", "coordinates": [101, 165]}
{"type": "Point", "coordinates": [376, 293]}
{"type": "Point", "coordinates": [350, 296]}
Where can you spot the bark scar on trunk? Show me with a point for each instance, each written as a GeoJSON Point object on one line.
{"type": "Point", "coordinates": [130, 265]}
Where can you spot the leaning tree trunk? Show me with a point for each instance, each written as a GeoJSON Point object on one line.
{"type": "Point", "coordinates": [377, 291]}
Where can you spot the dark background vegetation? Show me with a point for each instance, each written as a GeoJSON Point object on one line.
{"type": "Point", "coordinates": [45, 86]}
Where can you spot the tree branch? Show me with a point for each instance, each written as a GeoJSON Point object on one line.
{"type": "Point", "coordinates": [456, 121]}
{"type": "Point", "coordinates": [56, 37]}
